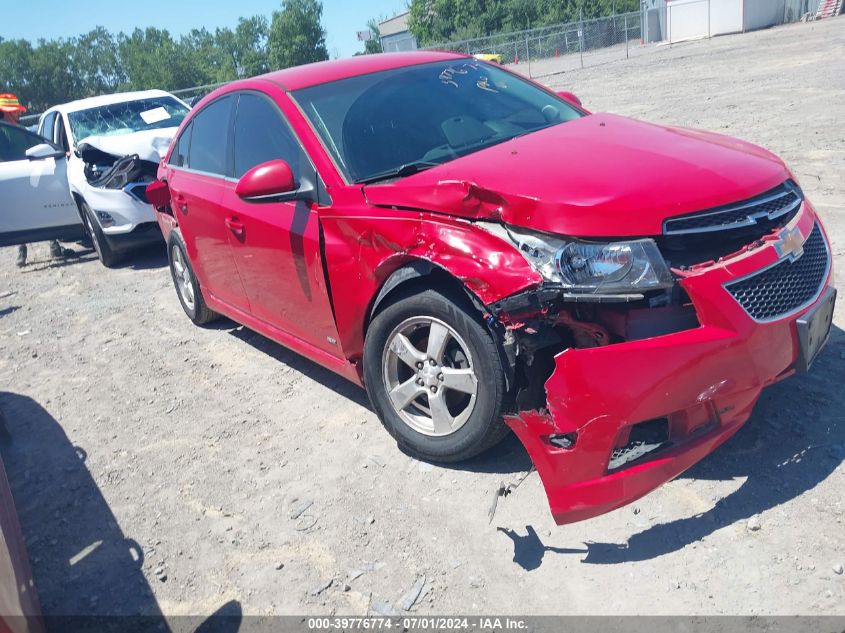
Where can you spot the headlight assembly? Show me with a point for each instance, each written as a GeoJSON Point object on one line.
{"type": "Point", "coordinates": [591, 267]}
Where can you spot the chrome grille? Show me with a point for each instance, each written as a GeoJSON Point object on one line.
{"type": "Point", "coordinates": [778, 204]}
{"type": "Point", "coordinates": [788, 286]}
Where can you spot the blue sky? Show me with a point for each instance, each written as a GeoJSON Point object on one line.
{"type": "Point", "coordinates": [41, 18]}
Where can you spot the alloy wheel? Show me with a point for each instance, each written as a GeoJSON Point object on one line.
{"type": "Point", "coordinates": [429, 376]}
{"type": "Point", "coordinates": [182, 276]}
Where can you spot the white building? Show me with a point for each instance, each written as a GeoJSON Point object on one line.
{"type": "Point", "coordinates": [395, 36]}
{"type": "Point", "coordinates": [677, 20]}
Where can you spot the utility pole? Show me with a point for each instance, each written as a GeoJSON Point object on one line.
{"type": "Point", "coordinates": [581, 33]}
{"type": "Point", "coordinates": [527, 52]}
{"type": "Point", "coordinates": [626, 36]}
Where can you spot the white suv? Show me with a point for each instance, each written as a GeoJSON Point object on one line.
{"type": "Point", "coordinates": [114, 145]}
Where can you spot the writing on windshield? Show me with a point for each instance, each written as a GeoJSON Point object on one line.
{"type": "Point", "coordinates": [393, 123]}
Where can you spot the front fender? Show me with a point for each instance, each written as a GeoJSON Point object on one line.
{"type": "Point", "coordinates": [363, 252]}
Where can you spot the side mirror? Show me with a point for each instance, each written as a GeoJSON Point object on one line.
{"type": "Point", "coordinates": [44, 150]}
{"type": "Point", "coordinates": [570, 97]}
{"type": "Point", "coordinates": [273, 179]}
{"type": "Point", "coordinates": [158, 193]}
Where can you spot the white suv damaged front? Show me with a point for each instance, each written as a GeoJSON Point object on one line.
{"type": "Point", "coordinates": [114, 144]}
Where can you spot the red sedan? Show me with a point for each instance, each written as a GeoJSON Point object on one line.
{"type": "Point", "coordinates": [482, 253]}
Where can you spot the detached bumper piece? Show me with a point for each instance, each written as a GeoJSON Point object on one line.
{"type": "Point", "coordinates": [641, 413]}
{"type": "Point", "coordinates": [622, 419]}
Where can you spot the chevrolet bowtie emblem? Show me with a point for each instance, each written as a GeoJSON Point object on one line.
{"type": "Point", "coordinates": [791, 244]}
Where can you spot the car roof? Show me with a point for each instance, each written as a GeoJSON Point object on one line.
{"type": "Point", "coordinates": [120, 97]}
{"type": "Point", "coordinates": [323, 72]}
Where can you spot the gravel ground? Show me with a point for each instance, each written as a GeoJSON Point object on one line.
{"type": "Point", "coordinates": [164, 468]}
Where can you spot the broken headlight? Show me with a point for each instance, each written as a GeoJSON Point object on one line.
{"type": "Point", "coordinates": [593, 267]}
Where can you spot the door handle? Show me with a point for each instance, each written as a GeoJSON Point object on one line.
{"type": "Point", "coordinates": [235, 226]}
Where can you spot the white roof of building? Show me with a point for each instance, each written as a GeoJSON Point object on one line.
{"type": "Point", "coordinates": [396, 24]}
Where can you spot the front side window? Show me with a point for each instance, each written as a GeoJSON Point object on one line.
{"type": "Point", "coordinates": [261, 134]}
{"type": "Point", "coordinates": [14, 141]}
{"type": "Point", "coordinates": [378, 125]}
{"type": "Point", "coordinates": [209, 137]}
{"type": "Point", "coordinates": [127, 117]}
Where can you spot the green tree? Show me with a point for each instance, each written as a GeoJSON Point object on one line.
{"type": "Point", "coordinates": [439, 21]}
{"type": "Point", "coordinates": [153, 59]}
{"type": "Point", "coordinates": [53, 76]}
{"type": "Point", "coordinates": [16, 69]}
{"type": "Point", "coordinates": [96, 59]}
{"type": "Point", "coordinates": [245, 48]}
{"type": "Point", "coordinates": [296, 34]}
{"type": "Point", "coordinates": [373, 45]}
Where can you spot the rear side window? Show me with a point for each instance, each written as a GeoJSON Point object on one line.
{"type": "Point", "coordinates": [261, 134]}
{"type": "Point", "coordinates": [46, 129]}
{"type": "Point", "coordinates": [60, 137]}
{"type": "Point", "coordinates": [209, 137]}
{"type": "Point", "coordinates": [179, 157]}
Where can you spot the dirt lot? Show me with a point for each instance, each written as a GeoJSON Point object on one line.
{"type": "Point", "coordinates": [160, 467]}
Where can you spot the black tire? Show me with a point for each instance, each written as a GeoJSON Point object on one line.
{"type": "Point", "coordinates": [199, 312]}
{"type": "Point", "coordinates": [107, 255]}
{"type": "Point", "coordinates": [484, 427]}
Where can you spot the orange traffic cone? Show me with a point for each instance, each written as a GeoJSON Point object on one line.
{"type": "Point", "coordinates": [516, 58]}
{"type": "Point", "coordinates": [557, 53]}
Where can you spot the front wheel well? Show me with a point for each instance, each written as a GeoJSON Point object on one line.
{"type": "Point", "coordinates": [418, 276]}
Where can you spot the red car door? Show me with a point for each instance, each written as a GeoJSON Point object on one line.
{"type": "Point", "coordinates": [276, 245]}
{"type": "Point", "coordinates": [196, 177]}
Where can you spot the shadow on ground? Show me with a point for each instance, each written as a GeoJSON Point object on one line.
{"type": "Point", "coordinates": [507, 457]}
{"type": "Point", "coordinates": [315, 372]}
{"type": "Point", "coordinates": [81, 255]}
{"type": "Point", "coordinates": [528, 550]}
{"type": "Point", "coordinates": [149, 257]}
{"type": "Point", "coordinates": [83, 563]}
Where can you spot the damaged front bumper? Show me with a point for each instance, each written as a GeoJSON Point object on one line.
{"type": "Point", "coordinates": [119, 211]}
{"type": "Point", "coordinates": [623, 418]}
{"type": "Point", "coordinates": [115, 184]}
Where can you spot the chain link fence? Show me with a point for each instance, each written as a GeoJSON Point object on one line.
{"type": "Point", "coordinates": [559, 47]}
{"type": "Point", "coordinates": [192, 96]}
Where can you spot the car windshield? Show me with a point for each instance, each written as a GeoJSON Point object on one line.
{"type": "Point", "coordinates": [127, 117]}
{"type": "Point", "coordinates": [396, 122]}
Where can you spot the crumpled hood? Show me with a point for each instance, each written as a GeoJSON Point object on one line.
{"type": "Point", "coordinates": [150, 145]}
{"type": "Point", "coordinates": [601, 175]}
